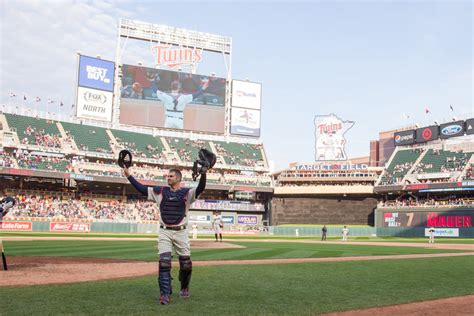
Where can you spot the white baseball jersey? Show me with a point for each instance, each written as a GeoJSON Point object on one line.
{"type": "Point", "coordinates": [217, 221]}
{"type": "Point", "coordinates": [174, 105]}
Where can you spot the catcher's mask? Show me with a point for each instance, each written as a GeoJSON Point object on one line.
{"type": "Point", "coordinates": [125, 159]}
{"type": "Point", "coordinates": [206, 161]}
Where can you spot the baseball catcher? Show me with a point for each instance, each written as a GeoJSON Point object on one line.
{"type": "Point", "coordinates": [5, 205]}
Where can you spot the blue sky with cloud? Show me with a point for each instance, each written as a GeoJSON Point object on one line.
{"type": "Point", "coordinates": [370, 62]}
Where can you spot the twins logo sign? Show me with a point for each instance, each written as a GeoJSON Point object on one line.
{"type": "Point", "coordinates": [96, 73]}
{"type": "Point", "coordinates": [330, 140]}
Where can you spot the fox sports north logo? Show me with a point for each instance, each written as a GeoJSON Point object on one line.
{"type": "Point", "coordinates": [451, 130]}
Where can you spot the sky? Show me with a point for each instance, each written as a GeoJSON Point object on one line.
{"type": "Point", "coordinates": [378, 63]}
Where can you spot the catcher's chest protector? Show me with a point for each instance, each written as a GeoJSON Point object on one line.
{"type": "Point", "coordinates": [173, 205]}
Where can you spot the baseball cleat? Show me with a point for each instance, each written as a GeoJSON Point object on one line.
{"type": "Point", "coordinates": [184, 293]}
{"type": "Point", "coordinates": [164, 299]}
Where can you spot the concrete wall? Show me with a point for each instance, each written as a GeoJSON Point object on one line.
{"type": "Point", "coordinates": [327, 210]}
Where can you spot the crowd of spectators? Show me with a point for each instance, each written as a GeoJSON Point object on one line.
{"type": "Point", "coordinates": [41, 137]}
{"type": "Point", "coordinates": [45, 206]}
{"type": "Point", "coordinates": [315, 183]}
{"type": "Point", "coordinates": [6, 160]}
{"type": "Point", "coordinates": [27, 160]}
{"type": "Point", "coordinates": [469, 173]}
{"type": "Point", "coordinates": [428, 202]}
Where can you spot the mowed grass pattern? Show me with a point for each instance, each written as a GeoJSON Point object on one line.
{"type": "Point", "coordinates": [147, 250]}
{"type": "Point", "coordinates": [276, 289]}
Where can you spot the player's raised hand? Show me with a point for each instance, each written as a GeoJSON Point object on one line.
{"type": "Point", "coordinates": [126, 172]}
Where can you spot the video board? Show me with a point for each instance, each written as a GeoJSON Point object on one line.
{"type": "Point", "coordinates": [169, 99]}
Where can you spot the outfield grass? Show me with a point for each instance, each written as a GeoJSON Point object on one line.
{"type": "Point", "coordinates": [278, 289]}
{"type": "Point", "coordinates": [243, 237]}
{"type": "Point", "coordinates": [146, 250]}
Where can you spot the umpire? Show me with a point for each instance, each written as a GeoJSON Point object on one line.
{"type": "Point", "coordinates": [174, 202]}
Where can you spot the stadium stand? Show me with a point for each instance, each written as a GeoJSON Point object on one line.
{"type": "Point", "coordinates": [88, 138]}
{"type": "Point", "coordinates": [240, 154]}
{"type": "Point", "coordinates": [35, 131]}
{"type": "Point", "coordinates": [187, 149]}
{"type": "Point", "coordinates": [400, 163]}
{"type": "Point", "coordinates": [442, 161]}
{"type": "Point", "coordinates": [141, 145]}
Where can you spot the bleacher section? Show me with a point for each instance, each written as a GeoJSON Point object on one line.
{"type": "Point", "coordinates": [76, 147]}
{"type": "Point", "coordinates": [33, 129]}
{"type": "Point", "coordinates": [442, 161]}
{"type": "Point", "coordinates": [401, 163]}
{"type": "Point", "coordinates": [43, 163]}
{"type": "Point", "coordinates": [89, 138]}
{"type": "Point", "coordinates": [142, 145]}
{"type": "Point", "coordinates": [187, 149]}
{"type": "Point", "coordinates": [240, 154]}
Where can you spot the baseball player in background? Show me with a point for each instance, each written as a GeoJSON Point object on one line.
{"type": "Point", "coordinates": [345, 233]}
{"type": "Point", "coordinates": [175, 102]}
{"type": "Point", "coordinates": [431, 233]}
{"type": "Point", "coordinates": [217, 225]}
{"type": "Point", "coordinates": [195, 231]}
{"type": "Point", "coordinates": [174, 202]}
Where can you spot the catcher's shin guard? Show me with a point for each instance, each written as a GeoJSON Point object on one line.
{"type": "Point", "coordinates": [164, 273]}
{"type": "Point", "coordinates": [185, 271]}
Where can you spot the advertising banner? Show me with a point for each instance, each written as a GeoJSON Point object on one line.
{"type": "Point", "coordinates": [426, 134]}
{"type": "Point", "coordinates": [453, 129]}
{"type": "Point", "coordinates": [169, 99]}
{"type": "Point", "coordinates": [16, 226]}
{"type": "Point", "coordinates": [404, 138]}
{"type": "Point", "coordinates": [96, 73]}
{"type": "Point", "coordinates": [245, 122]}
{"type": "Point", "coordinates": [330, 140]}
{"type": "Point", "coordinates": [247, 219]}
{"type": "Point", "coordinates": [228, 219]}
{"type": "Point", "coordinates": [94, 104]}
{"type": "Point", "coordinates": [451, 219]}
{"type": "Point", "coordinates": [246, 94]}
{"type": "Point", "coordinates": [470, 126]}
{"type": "Point", "coordinates": [443, 232]}
{"type": "Point", "coordinates": [199, 218]}
{"type": "Point", "coordinates": [69, 227]}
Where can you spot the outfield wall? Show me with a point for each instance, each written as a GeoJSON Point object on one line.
{"type": "Point", "coordinates": [415, 221]}
{"type": "Point", "coordinates": [350, 210]}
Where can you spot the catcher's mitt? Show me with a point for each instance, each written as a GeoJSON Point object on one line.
{"type": "Point", "coordinates": [206, 161]}
{"type": "Point", "coordinates": [125, 159]}
{"type": "Point", "coordinates": [5, 205]}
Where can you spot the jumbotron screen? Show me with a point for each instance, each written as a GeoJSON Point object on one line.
{"type": "Point", "coordinates": [169, 99]}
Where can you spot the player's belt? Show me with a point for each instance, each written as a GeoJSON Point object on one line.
{"type": "Point", "coordinates": [182, 227]}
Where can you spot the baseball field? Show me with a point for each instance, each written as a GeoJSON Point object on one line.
{"type": "Point", "coordinates": [52, 274]}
